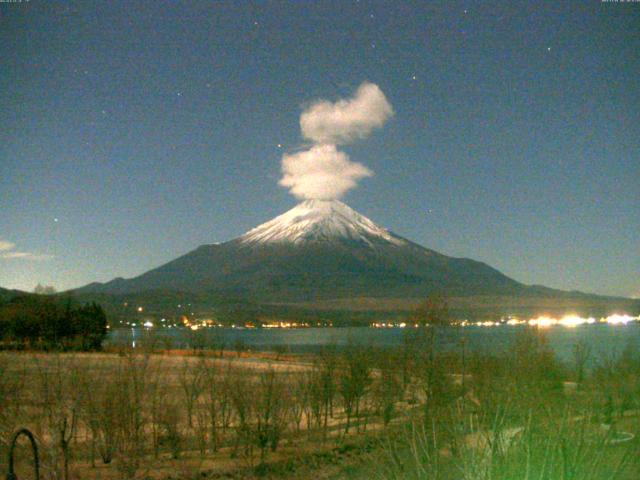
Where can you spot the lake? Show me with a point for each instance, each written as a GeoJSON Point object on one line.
{"type": "Point", "coordinates": [604, 339]}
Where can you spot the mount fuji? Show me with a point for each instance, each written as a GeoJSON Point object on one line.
{"type": "Point", "coordinates": [322, 253]}
{"type": "Point", "coordinates": [317, 250]}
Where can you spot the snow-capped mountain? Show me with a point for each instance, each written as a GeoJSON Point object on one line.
{"type": "Point", "coordinates": [320, 220]}
{"type": "Point", "coordinates": [316, 250]}
{"type": "Point", "coordinates": [322, 255]}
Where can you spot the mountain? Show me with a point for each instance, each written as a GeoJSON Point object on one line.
{"type": "Point", "coordinates": [321, 253]}
{"type": "Point", "coordinates": [6, 295]}
{"type": "Point", "coordinates": [317, 250]}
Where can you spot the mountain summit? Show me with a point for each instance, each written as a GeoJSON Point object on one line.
{"type": "Point", "coordinates": [319, 221]}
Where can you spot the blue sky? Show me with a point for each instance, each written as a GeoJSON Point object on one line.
{"type": "Point", "coordinates": [134, 132]}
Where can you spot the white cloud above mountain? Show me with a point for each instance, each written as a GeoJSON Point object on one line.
{"type": "Point", "coordinates": [322, 172]}
{"type": "Point", "coordinates": [346, 120]}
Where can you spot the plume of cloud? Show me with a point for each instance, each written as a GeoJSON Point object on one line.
{"type": "Point", "coordinates": [344, 121]}
{"type": "Point", "coordinates": [323, 172]}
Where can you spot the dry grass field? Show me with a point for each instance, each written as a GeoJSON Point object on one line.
{"type": "Point", "coordinates": [348, 413]}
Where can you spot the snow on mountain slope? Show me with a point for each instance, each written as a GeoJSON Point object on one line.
{"type": "Point", "coordinates": [320, 220]}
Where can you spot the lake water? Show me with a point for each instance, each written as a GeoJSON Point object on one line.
{"type": "Point", "coordinates": [604, 339]}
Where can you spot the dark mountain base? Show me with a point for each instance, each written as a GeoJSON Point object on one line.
{"type": "Point", "coordinates": [356, 311]}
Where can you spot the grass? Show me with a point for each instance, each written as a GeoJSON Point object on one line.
{"type": "Point", "coordinates": [353, 413]}
{"type": "Point", "coordinates": [557, 448]}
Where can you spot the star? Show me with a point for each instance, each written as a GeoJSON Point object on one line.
{"type": "Point", "coordinates": [548, 49]}
{"type": "Point", "coordinates": [465, 12]}
{"type": "Point", "coordinates": [55, 220]}
{"type": "Point", "coordinates": [179, 94]}
{"type": "Point", "coordinates": [413, 77]}
{"type": "Point", "coordinates": [279, 145]}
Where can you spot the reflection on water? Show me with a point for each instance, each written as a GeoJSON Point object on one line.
{"type": "Point", "coordinates": [604, 339]}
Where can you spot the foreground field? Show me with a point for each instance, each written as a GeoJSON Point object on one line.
{"type": "Point", "coordinates": [349, 413]}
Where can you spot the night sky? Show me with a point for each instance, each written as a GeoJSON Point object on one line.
{"type": "Point", "coordinates": [133, 132]}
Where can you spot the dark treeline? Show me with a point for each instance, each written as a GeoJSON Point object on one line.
{"type": "Point", "coordinates": [45, 322]}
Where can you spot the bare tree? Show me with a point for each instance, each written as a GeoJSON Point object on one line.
{"type": "Point", "coordinates": [241, 394]}
{"type": "Point", "coordinates": [191, 378]}
{"type": "Point", "coordinates": [355, 377]}
{"type": "Point", "coordinates": [133, 375]}
{"type": "Point", "coordinates": [299, 385]}
{"type": "Point", "coordinates": [325, 386]}
{"type": "Point", "coordinates": [170, 423]}
{"type": "Point", "coordinates": [388, 387]}
{"type": "Point", "coordinates": [270, 412]}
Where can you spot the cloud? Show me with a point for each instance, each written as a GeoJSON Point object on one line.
{"type": "Point", "coordinates": [24, 256]}
{"type": "Point", "coordinates": [344, 121]}
{"type": "Point", "coordinates": [4, 245]}
{"type": "Point", "coordinates": [322, 172]}
{"type": "Point", "coordinates": [8, 252]}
